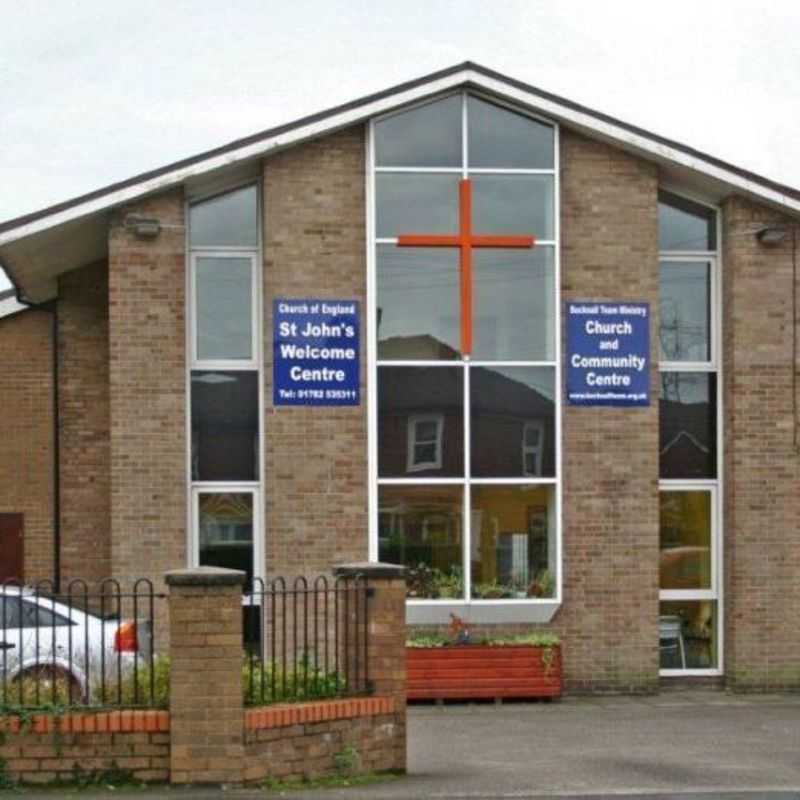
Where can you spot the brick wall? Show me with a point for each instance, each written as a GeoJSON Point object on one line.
{"type": "Point", "coordinates": [609, 619]}
{"type": "Point", "coordinates": [84, 423]}
{"type": "Point", "coordinates": [364, 742]}
{"type": "Point", "coordinates": [65, 748]}
{"type": "Point", "coordinates": [148, 392]}
{"type": "Point", "coordinates": [26, 434]}
{"type": "Point", "coordinates": [316, 458]}
{"type": "Point", "coordinates": [762, 466]}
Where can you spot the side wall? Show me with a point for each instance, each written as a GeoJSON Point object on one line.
{"type": "Point", "coordinates": [609, 620]}
{"type": "Point", "coordinates": [26, 434]}
{"type": "Point", "coordinates": [316, 458]}
{"type": "Point", "coordinates": [762, 463]}
{"type": "Point", "coordinates": [84, 441]}
{"type": "Point", "coordinates": [148, 392]}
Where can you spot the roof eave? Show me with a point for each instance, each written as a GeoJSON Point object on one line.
{"type": "Point", "coordinates": [644, 143]}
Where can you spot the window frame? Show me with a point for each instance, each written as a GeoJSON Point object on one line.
{"type": "Point", "coordinates": [219, 487]}
{"type": "Point", "coordinates": [536, 451]}
{"type": "Point", "coordinates": [254, 364]}
{"type": "Point", "coordinates": [433, 610]}
{"type": "Point", "coordinates": [224, 363]}
{"type": "Point", "coordinates": [713, 366]}
{"type": "Point", "coordinates": [412, 465]}
{"type": "Point", "coordinates": [714, 327]}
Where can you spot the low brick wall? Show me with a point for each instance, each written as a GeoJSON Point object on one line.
{"type": "Point", "coordinates": [281, 741]}
{"type": "Point", "coordinates": [49, 747]}
{"type": "Point", "coordinates": [308, 740]}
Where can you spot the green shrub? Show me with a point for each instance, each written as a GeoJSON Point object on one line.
{"type": "Point", "coordinates": [263, 684]}
{"type": "Point", "coordinates": [134, 689]}
{"type": "Point", "coordinates": [536, 639]}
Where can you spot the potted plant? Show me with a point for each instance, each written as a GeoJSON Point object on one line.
{"type": "Point", "coordinates": [463, 666]}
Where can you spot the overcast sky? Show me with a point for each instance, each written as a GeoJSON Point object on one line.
{"type": "Point", "coordinates": [93, 91]}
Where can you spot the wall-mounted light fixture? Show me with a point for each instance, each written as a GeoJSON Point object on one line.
{"type": "Point", "coordinates": [772, 234]}
{"type": "Point", "coordinates": [143, 227]}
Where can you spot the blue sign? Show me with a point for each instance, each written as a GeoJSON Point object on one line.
{"type": "Point", "coordinates": [316, 353]}
{"type": "Point", "coordinates": [608, 354]}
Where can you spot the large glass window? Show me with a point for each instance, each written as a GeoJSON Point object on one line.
{"type": "Point", "coordinates": [225, 426]}
{"type": "Point", "coordinates": [685, 311]}
{"type": "Point", "coordinates": [466, 321]}
{"type": "Point", "coordinates": [224, 380]}
{"type": "Point", "coordinates": [514, 305]}
{"type": "Point", "coordinates": [227, 220]}
{"type": "Point", "coordinates": [409, 395]}
{"type": "Point", "coordinates": [513, 409]}
{"type": "Point", "coordinates": [513, 542]}
{"type": "Point", "coordinates": [225, 525]}
{"type": "Point", "coordinates": [688, 425]}
{"type": "Point", "coordinates": [684, 225]}
{"type": "Point", "coordinates": [690, 561]}
{"type": "Point", "coordinates": [223, 308]}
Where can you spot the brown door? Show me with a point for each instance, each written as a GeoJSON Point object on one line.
{"type": "Point", "coordinates": [11, 530]}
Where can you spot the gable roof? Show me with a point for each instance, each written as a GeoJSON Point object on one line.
{"type": "Point", "coordinates": [20, 238]}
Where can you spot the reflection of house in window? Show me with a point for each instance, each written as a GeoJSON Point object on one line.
{"type": "Point", "coordinates": [532, 445]}
{"type": "Point", "coordinates": [425, 442]}
{"type": "Point", "coordinates": [687, 429]}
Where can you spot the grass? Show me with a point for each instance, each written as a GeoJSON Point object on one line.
{"type": "Point", "coordinates": [332, 782]}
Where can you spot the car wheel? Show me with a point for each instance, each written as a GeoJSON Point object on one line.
{"type": "Point", "coordinates": [46, 684]}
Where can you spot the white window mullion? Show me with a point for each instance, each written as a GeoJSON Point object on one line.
{"type": "Point", "coordinates": [467, 544]}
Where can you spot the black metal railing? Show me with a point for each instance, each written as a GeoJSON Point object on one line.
{"type": "Point", "coordinates": [82, 646]}
{"type": "Point", "coordinates": [306, 639]}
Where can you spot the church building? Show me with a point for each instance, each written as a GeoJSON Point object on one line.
{"type": "Point", "coordinates": [543, 358]}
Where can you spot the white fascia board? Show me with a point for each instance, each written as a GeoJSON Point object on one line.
{"type": "Point", "coordinates": [545, 106]}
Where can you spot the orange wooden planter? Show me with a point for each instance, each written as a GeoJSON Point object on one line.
{"type": "Point", "coordinates": [465, 672]}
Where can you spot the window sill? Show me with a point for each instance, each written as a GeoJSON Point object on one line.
{"type": "Point", "coordinates": [438, 613]}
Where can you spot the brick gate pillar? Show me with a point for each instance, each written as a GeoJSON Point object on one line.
{"type": "Point", "coordinates": [206, 701]}
{"type": "Point", "coordinates": [386, 640]}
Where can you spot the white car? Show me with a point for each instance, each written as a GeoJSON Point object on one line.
{"type": "Point", "coordinates": [45, 640]}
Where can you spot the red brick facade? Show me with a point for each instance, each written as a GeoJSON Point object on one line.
{"type": "Point", "coordinates": [609, 620]}
{"type": "Point", "coordinates": [84, 423]}
{"type": "Point", "coordinates": [148, 393]}
{"type": "Point", "coordinates": [316, 458]}
{"type": "Point", "coordinates": [27, 434]}
{"type": "Point", "coordinates": [762, 462]}
{"type": "Point", "coordinates": [124, 466]}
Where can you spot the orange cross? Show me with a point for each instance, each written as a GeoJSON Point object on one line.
{"type": "Point", "coordinates": [465, 240]}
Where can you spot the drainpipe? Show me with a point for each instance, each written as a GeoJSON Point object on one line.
{"type": "Point", "coordinates": [51, 307]}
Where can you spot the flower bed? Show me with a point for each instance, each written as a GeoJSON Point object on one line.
{"type": "Point", "coordinates": [514, 667]}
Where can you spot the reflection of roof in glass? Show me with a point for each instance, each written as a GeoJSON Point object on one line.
{"type": "Point", "coordinates": [436, 388]}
